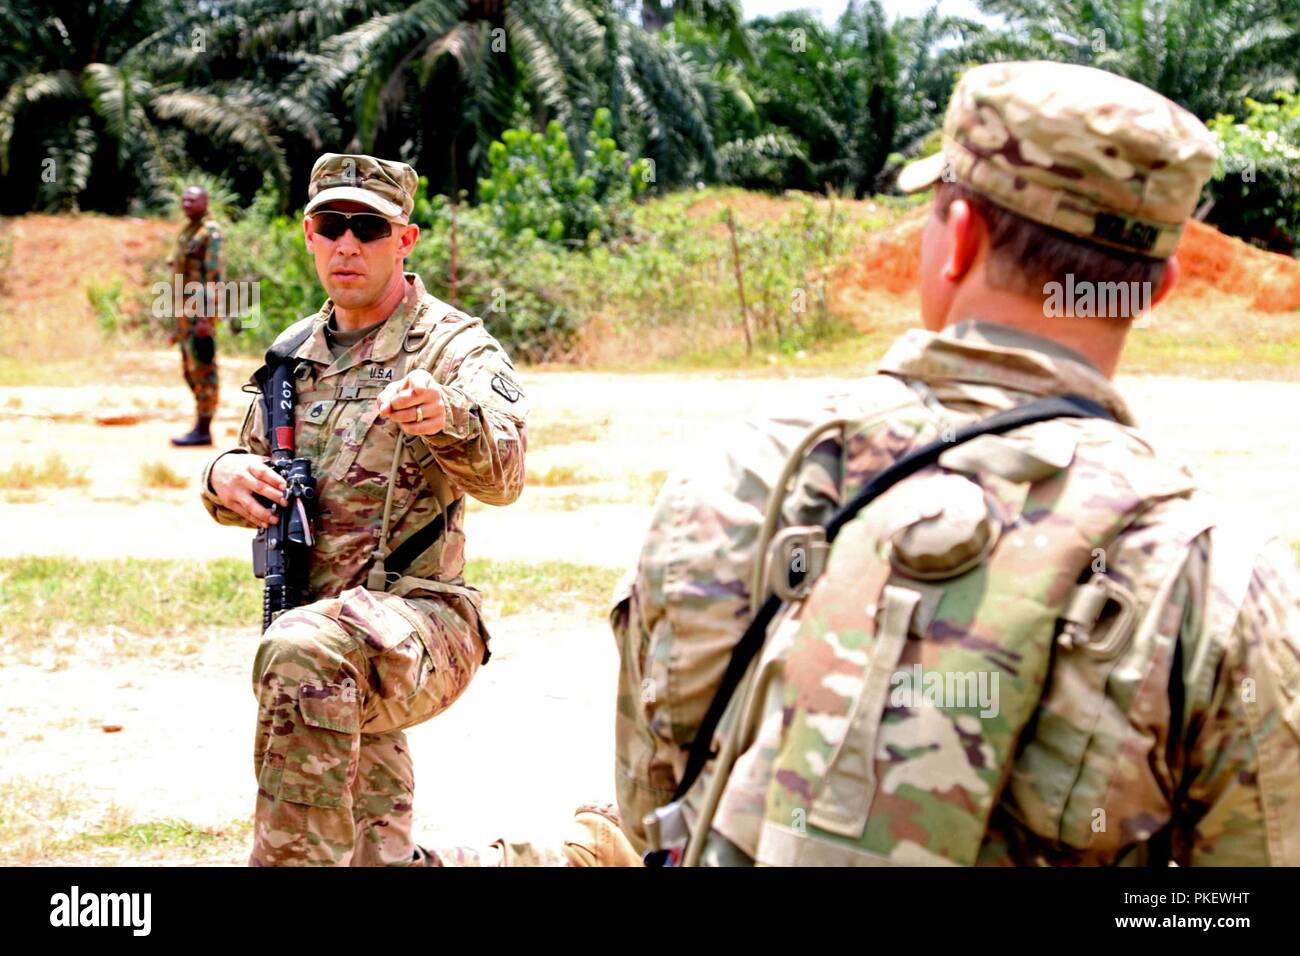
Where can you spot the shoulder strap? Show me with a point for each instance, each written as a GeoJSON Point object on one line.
{"type": "Point", "coordinates": [396, 561]}
{"type": "Point", "coordinates": [752, 640]}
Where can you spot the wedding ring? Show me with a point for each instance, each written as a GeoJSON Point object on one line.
{"type": "Point", "coordinates": [419, 413]}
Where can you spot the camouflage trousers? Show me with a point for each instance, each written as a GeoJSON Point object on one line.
{"type": "Point", "coordinates": [337, 681]}
{"type": "Point", "coordinates": [199, 365]}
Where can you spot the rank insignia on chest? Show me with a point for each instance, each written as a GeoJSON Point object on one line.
{"type": "Point", "coordinates": [318, 411]}
{"type": "Point", "coordinates": [380, 374]}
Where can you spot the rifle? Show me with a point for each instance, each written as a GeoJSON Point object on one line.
{"type": "Point", "coordinates": [282, 551]}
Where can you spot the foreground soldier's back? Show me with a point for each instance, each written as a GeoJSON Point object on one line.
{"type": "Point", "coordinates": [1086, 665]}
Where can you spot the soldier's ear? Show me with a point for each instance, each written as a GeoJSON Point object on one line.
{"type": "Point", "coordinates": [1169, 281]}
{"type": "Point", "coordinates": [410, 233]}
{"type": "Point", "coordinates": [306, 230]}
{"type": "Point", "coordinates": [965, 229]}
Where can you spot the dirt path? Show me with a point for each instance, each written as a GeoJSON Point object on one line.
{"type": "Point", "coordinates": [1239, 437]}
{"type": "Point", "coordinates": [533, 736]}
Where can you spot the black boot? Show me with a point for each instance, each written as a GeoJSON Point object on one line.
{"type": "Point", "coordinates": [201, 434]}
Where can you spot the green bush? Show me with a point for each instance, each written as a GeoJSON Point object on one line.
{"type": "Point", "coordinates": [268, 248]}
{"type": "Point", "coordinates": [106, 301]}
{"type": "Point", "coordinates": [667, 287]}
{"type": "Point", "coordinates": [1256, 185]}
{"type": "Point", "coordinates": [524, 288]}
{"type": "Point", "coordinates": [535, 186]}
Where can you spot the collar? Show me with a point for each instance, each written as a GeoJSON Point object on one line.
{"type": "Point", "coordinates": [967, 358]}
{"type": "Point", "coordinates": [384, 345]}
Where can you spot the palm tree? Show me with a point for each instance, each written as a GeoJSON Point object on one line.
{"type": "Point", "coordinates": [932, 50]}
{"type": "Point", "coordinates": [98, 89]}
{"type": "Point", "coordinates": [1204, 54]}
{"type": "Point", "coordinates": [816, 106]}
{"type": "Point", "coordinates": [438, 80]}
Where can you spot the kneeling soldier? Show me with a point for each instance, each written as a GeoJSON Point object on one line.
{"type": "Point", "coordinates": [403, 406]}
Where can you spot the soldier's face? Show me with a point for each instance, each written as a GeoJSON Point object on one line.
{"type": "Point", "coordinates": [357, 274]}
{"type": "Point", "coordinates": [194, 202]}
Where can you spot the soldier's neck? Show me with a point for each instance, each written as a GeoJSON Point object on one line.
{"type": "Point", "coordinates": [348, 320]}
{"type": "Point", "coordinates": [1100, 340]}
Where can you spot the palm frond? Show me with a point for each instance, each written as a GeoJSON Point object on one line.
{"type": "Point", "coordinates": [224, 122]}
{"type": "Point", "coordinates": [27, 91]}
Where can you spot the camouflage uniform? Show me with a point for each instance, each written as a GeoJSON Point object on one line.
{"type": "Point", "coordinates": [1147, 654]}
{"type": "Point", "coordinates": [339, 679]}
{"type": "Point", "coordinates": [199, 259]}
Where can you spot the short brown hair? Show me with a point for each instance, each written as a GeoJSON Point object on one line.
{"type": "Point", "coordinates": [1024, 256]}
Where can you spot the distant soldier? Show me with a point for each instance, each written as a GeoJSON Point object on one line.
{"type": "Point", "coordinates": [1040, 646]}
{"type": "Point", "coordinates": [199, 260]}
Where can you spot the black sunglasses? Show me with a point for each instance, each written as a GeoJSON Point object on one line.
{"type": "Point", "coordinates": [367, 227]}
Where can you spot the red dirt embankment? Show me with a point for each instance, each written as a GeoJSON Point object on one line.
{"type": "Point", "coordinates": [54, 259]}
{"type": "Point", "coordinates": [890, 260]}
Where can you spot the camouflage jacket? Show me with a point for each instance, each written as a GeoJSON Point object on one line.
{"type": "Point", "coordinates": [1187, 746]}
{"type": "Point", "coordinates": [480, 451]}
{"type": "Point", "coordinates": [199, 257]}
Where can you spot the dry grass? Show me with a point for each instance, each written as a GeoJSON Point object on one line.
{"type": "Point", "coordinates": [644, 488]}
{"type": "Point", "coordinates": [54, 472]}
{"type": "Point", "coordinates": [37, 815]}
{"type": "Point", "coordinates": [44, 821]}
{"type": "Point", "coordinates": [548, 434]}
{"type": "Point", "coordinates": [159, 474]}
{"type": "Point", "coordinates": [557, 476]}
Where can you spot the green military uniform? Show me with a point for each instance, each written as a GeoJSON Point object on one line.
{"type": "Point", "coordinates": [339, 679]}
{"type": "Point", "coordinates": [1143, 655]}
{"type": "Point", "coordinates": [199, 258]}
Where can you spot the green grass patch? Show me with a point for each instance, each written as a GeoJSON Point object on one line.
{"type": "Point", "coordinates": [160, 834]}
{"type": "Point", "coordinates": [54, 472]}
{"type": "Point", "coordinates": [143, 596]}
{"type": "Point", "coordinates": [1157, 351]}
{"type": "Point", "coordinates": [41, 598]}
{"type": "Point", "coordinates": [516, 586]}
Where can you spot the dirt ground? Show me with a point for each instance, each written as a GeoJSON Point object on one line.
{"type": "Point", "coordinates": [532, 737]}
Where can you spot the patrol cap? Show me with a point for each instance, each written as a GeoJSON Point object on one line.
{"type": "Point", "coordinates": [1078, 149]}
{"type": "Point", "coordinates": [386, 186]}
